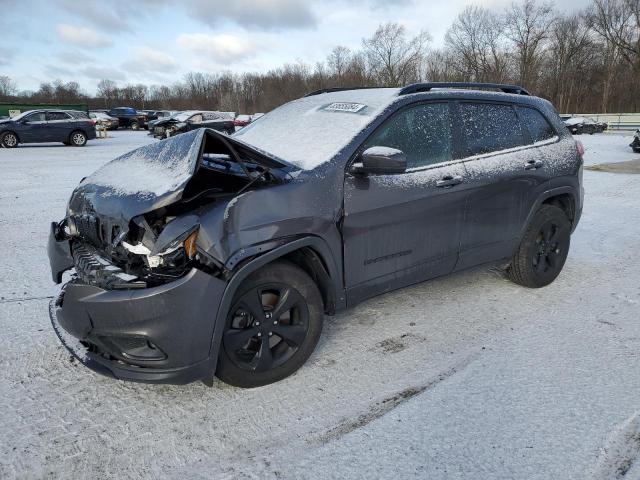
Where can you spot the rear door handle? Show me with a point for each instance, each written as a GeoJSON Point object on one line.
{"type": "Point", "coordinates": [449, 181]}
{"type": "Point", "coordinates": [533, 164]}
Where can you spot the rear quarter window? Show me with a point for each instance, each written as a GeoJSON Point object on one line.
{"type": "Point", "coordinates": [489, 127]}
{"type": "Point", "coordinates": [538, 126]}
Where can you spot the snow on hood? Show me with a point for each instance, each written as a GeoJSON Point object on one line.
{"type": "Point", "coordinates": [312, 130]}
{"type": "Point", "coordinates": [152, 170]}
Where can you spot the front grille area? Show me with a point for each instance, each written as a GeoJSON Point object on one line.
{"type": "Point", "coordinates": [88, 228]}
{"type": "Point", "coordinates": [94, 269]}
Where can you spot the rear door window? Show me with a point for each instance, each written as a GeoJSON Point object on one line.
{"type": "Point", "coordinates": [538, 126]}
{"type": "Point", "coordinates": [489, 127]}
{"type": "Point", "coordinates": [52, 116]}
{"type": "Point", "coordinates": [422, 132]}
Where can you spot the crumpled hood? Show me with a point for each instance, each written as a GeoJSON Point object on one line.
{"type": "Point", "coordinates": [152, 176]}
{"type": "Point", "coordinates": [142, 180]}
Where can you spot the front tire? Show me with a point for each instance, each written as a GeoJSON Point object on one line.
{"type": "Point", "coordinates": [134, 126]}
{"type": "Point", "coordinates": [543, 249]}
{"type": "Point", "coordinates": [78, 139]}
{"type": "Point", "coordinates": [9, 140]}
{"type": "Point", "coordinates": [272, 328]}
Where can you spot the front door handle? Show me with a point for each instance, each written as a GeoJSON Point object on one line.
{"type": "Point", "coordinates": [533, 164]}
{"type": "Point", "coordinates": [449, 181]}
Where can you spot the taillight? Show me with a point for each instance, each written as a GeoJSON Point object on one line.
{"type": "Point", "coordinates": [92, 123]}
{"type": "Point", "coordinates": [237, 123]}
{"type": "Point", "coordinates": [580, 148]}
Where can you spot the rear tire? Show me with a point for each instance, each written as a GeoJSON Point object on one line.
{"type": "Point", "coordinates": [272, 328]}
{"type": "Point", "coordinates": [78, 138]}
{"type": "Point", "coordinates": [9, 140]}
{"type": "Point", "coordinates": [543, 249]}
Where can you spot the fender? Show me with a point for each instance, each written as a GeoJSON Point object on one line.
{"type": "Point", "coordinates": [317, 243]}
{"type": "Point", "coordinates": [552, 193]}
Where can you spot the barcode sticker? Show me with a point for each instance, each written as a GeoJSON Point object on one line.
{"type": "Point", "coordinates": [344, 107]}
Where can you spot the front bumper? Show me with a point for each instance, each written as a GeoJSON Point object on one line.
{"type": "Point", "coordinates": [160, 334]}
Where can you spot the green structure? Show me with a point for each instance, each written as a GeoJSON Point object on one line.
{"type": "Point", "coordinates": [13, 109]}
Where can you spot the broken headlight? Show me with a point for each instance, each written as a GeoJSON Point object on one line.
{"type": "Point", "coordinates": [177, 252]}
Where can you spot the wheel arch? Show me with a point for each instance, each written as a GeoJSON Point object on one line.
{"type": "Point", "coordinates": [564, 197]}
{"type": "Point", "coordinates": [311, 253]}
{"type": "Point", "coordinates": [82, 131]}
{"type": "Point", "coordinates": [11, 131]}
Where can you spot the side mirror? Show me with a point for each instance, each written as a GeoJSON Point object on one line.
{"type": "Point", "coordinates": [381, 161]}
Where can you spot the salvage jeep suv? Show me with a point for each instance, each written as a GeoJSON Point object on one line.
{"type": "Point", "coordinates": [207, 254]}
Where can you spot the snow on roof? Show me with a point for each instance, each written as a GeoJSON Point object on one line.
{"type": "Point", "coordinates": [311, 130]}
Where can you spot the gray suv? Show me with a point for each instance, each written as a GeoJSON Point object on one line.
{"type": "Point", "coordinates": [208, 254]}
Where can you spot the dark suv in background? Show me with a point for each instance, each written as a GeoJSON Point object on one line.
{"type": "Point", "coordinates": [37, 126]}
{"type": "Point", "coordinates": [207, 254]}
{"type": "Point", "coordinates": [128, 117]}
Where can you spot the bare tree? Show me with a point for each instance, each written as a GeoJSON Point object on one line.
{"type": "Point", "coordinates": [527, 25]}
{"type": "Point", "coordinates": [394, 58]}
{"type": "Point", "coordinates": [338, 60]}
{"type": "Point", "coordinates": [7, 86]}
{"type": "Point", "coordinates": [477, 39]}
{"type": "Point", "coordinates": [107, 90]}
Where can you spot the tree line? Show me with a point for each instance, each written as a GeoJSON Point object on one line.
{"type": "Point", "coordinates": [586, 61]}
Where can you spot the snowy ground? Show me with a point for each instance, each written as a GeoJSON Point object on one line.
{"type": "Point", "coordinates": [468, 376]}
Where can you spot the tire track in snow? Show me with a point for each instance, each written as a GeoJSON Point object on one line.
{"type": "Point", "coordinates": [620, 452]}
{"type": "Point", "coordinates": [387, 404]}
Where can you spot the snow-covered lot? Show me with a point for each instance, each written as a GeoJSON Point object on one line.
{"type": "Point", "coordinates": [468, 376]}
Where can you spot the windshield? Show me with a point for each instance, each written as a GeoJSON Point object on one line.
{"type": "Point", "coordinates": [312, 130]}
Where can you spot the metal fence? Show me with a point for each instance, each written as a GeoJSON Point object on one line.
{"type": "Point", "coordinates": [616, 121]}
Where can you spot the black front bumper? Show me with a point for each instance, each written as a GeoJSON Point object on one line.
{"type": "Point", "coordinates": [160, 334]}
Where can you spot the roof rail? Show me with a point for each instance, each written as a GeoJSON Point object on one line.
{"type": "Point", "coordinates": [334, 89]}
{"type": "Point", "coordinates": [426, 87]}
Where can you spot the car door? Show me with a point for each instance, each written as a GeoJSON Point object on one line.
{"type": "Point", "coordinates": [498, 181]}
{"type": "Point", "coordinates": [59, 126]}
{"type": "Point", "coordinates": [33, 128]}
{"type": "Point", "coordinates": [404, 228]}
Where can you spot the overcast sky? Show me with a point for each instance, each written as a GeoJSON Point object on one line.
{"type": "Point", "coordinates": [158, 41]}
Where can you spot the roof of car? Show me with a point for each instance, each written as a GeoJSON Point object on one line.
{"type": "Point", "coordinates": [378, 97]}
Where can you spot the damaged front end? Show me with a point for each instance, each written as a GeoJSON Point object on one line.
{"type": "Point", "coordinates": [145, 285]}
{"type": "Point", "coordinates": [135, 222]}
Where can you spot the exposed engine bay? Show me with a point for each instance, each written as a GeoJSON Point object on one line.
{"type": "Point", "coordinates": [125, 239]}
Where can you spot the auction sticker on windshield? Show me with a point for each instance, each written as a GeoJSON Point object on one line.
{"type": "Point", "coordinates": [344, 107]}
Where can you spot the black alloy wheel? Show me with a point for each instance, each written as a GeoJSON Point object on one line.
{"type": "Point", "coordinates": [543, 249]}
{"type": "Point", "coordinates": [273, 326]}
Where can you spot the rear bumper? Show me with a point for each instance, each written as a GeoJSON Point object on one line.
{"type": "Point", "coordinates": [158, 335]}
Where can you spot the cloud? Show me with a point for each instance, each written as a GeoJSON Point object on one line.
{"type": "Point", "coordinates": [82, 36]}
{"type": "Point", "coordinates": [221, 48]}
{"type": "Point", "coordinates": [5, 55]}
{"type": "Point", "coordinates": [149, 60]}
{"type": "Point", "coordinates": [262, 14]}
{"type": "Point", "coordinates": [100, 73]}
{"type": "Point", "coordinates": [75, 57]}
{"type": "Point", "coordinates": [108, 16]}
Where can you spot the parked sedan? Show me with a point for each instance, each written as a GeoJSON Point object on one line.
{"type": "Point", "coordinates": [191, 120]}
{"type": "Point", "coordinates": [108, 122]}
{"type": "Point", "coordinates": [36, 126]}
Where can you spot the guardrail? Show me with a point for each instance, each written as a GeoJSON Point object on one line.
{"type": "Point", "coordinates": [616, 121]}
